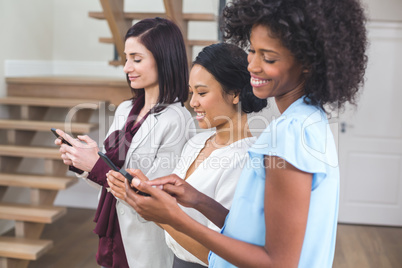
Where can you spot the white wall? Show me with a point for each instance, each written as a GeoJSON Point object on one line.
{"type": "Point", "coordinates": [75, 34]}
{"type": "Point", "coordinates": [26, 29]}
{"type": "Point", "coordinates": [58, 35]}
{"type": "Point", "coordinates": [384, 10]}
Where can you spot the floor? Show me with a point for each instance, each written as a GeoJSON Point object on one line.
{"type": "Point", "coordinates": [357, 246]}
{"type": "Point", "coordinates": [74, 242]}
{"type": "Point", "coordinates": [368, 246]}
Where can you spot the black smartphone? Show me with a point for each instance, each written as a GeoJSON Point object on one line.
{"type": "Point", "coordinates": [60, 137]}
{"type": "Point", "coordinates": [122, 171]}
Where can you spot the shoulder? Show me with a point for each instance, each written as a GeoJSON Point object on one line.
{"type": "Point", "coordinates": [174, 115]}
{"type": "Point", "coordinates": [174, 121]}
{"type": "Point", "coordinates": [245, 144]}
{"type": "Point", "coordinates": [197, 142]}
{"type": "Point", "coordinates": [239, 147]}
{"type": "Point", "coordinates": [301, 120]}
{"type": "Point", "coordinates": [175, 110]}
{"type": "Point", "coordinates": [238, 151]}
{"type": "Point", "coordinates": [202, 136]}
{"type": "Point", "coordinates": [301, 136]}
{"type": "Point", "coordinates": [124, 107]}
{"type": "Point", "coordinates": [301, 111]}
{"type": "Point", "coordinates": [304, 119]}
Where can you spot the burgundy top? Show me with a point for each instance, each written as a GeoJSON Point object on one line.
{"type": "Point", "coordinates": [111, 250]}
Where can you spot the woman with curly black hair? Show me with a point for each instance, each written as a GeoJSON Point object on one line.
{"type": "Point", "coordinates": [310, 56]}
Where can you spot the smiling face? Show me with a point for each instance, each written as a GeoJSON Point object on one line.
{"type": "Point", "coordinates": [274, 71]}
{"type": "Point", "coordinates": [214, 108]}
{"type": "Point", "coordinates": [140, 66]}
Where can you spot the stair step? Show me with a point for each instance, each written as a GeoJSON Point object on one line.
{"type": "Point", "coordinates": [31, 213]}
{"type": "Point", "coordinates": [29, 151]}
{"type": "Point", "coordinates": [76, 81]}
{"type": "Point", "coordinates": [140, 16]}
{"type": "Point", "coordinates": [23, 248]}
{"type": "Point", "coordinates": [49, 102]}
{"type": "Point", "coordinates": [199, 17]}
{"type": "Point", "coordinates": [81, 128]}
{"type": "Point", "coordinates": [37, 181]}
{"type": "Point", "coordinates": [201, 43]}
{"type": "Point", "coordinates": [45, 126]}
{"type": "Point", "coordinates": [113, 90]}
{"type": "Point", "coordinates": [116, 63]}
{"type": "Point", "coordinates": [106, 40]}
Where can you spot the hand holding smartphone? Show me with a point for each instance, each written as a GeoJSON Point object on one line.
{"type": "Point", "coordinates": [121, 171]}
{"type": "Point", "coordinates": [60, 137]}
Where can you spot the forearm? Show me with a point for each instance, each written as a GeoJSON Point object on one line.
{"type": "Point", "coordinates": [237, 252]}
{"type": "Point", "coordinates": [162, 207]}
{"type": "Point", "coordinates": [98, 173]}
{"type": "Point", "coordinates": [188, 243]}
{"type": "Point", "coordinates": [212, 209]}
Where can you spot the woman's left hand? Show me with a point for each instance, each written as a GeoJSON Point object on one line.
{"type": "Point", "coordinates": [116, 183]}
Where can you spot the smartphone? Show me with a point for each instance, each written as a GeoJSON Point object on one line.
{"type": "Point", "coordinates": [60, 137]}
{"type": "Point", "coordinates": [121, 171]}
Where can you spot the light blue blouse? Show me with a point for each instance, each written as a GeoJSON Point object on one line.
{"type": "Point", "coordinates": [301, 136]}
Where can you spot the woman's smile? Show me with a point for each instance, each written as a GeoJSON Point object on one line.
{"type": "Point", "coordinates": [132, 77]}
{"type": "Point", "coordinates": [258, 82]}
{"type": "Point", "coordinates": [200, 115]}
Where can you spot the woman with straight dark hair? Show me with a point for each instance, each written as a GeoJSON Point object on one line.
{"type": "Point", "coordinates": [148, 132]}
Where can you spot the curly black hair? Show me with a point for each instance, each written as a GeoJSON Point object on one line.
{"type": "Point", "coordinates": [327, 37]}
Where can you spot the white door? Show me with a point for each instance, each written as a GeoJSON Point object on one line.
{"type": "Point", "coordinates": [370, 138]}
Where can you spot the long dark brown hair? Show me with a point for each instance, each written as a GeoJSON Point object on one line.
{"type": "Point", "coordinates": [164, 40]}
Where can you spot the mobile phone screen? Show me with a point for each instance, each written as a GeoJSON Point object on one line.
{"type": "Point", "coordinates": [60, 137]}
{"type": "Point", "coordinates": [123, 172]}
{"type": "Point", "coordinates": [108, 162]}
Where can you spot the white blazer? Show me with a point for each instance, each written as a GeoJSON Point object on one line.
{"type": "Point", "coordinates": [155, 149]}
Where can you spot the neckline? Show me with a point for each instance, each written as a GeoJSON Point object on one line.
{"type": "Point", "coordinates": [227, 147]}
{"type": "Point", "coordinates": [296, 102]}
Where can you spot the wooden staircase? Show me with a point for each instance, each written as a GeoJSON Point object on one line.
{"type": "Point", "coordinates": [35, 165]}
{"type": "Point", "coordinates": [119, 22]}
{"type": "Point", "coordinates": [29, 102]}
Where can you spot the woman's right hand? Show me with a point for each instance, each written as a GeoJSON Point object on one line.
{"type": "Point", "coordinates": [62, 150]}
{"type": "Point", "coordinates": [185, 194]}
{"type": "Point", "coordinates": [159, 207]}
{"type": "Point", "coordinates": [182, 191]}
{"type": "Point", "coordinates": [83, 154]}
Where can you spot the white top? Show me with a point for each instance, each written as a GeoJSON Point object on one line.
{"type": "Point", "coordinates": [155, 150]}
{"type": "Point", "coordinates": [216, 177]}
